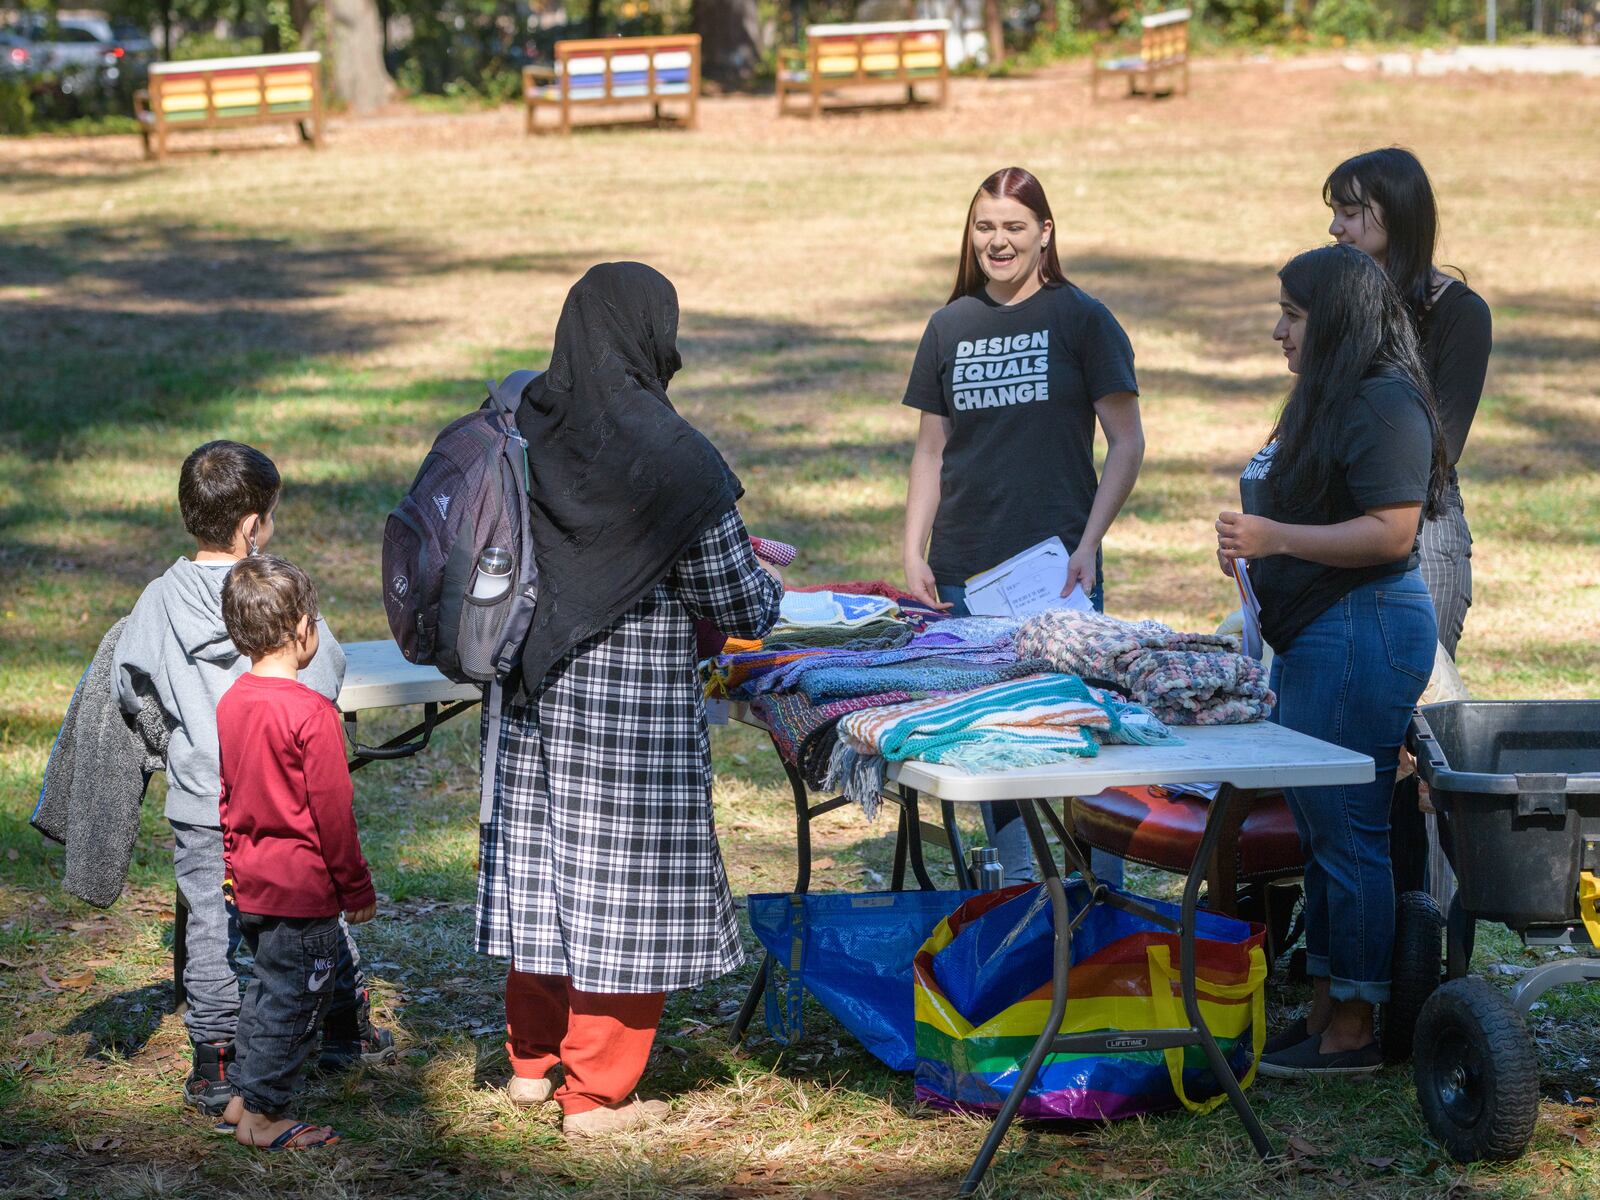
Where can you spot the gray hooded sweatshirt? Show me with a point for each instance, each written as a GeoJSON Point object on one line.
{"type": "Point", "coordinates": [176, 642]}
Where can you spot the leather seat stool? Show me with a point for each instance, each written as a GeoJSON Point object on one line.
{"type": "Point", "coordinates": [1162, 829]}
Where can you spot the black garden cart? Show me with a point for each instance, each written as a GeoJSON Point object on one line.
{"type": "Point", "coordinates": [1516, 785]}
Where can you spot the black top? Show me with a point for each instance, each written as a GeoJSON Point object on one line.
{"type": "Point", "coordinates": [619, 484]}
{"type": "Point", "coordinates": [1386, 458]}
{"type": "Point", "coordinates": [1456, 338]}
{"type": "Point", "coordinates": [1018, 383]}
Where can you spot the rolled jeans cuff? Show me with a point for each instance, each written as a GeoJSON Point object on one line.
{"type": "Point", "coordinates": [1351, 989]}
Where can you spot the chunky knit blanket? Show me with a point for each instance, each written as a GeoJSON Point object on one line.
{"type": "Point", "coordinates": [1184, 678]}
{"type": "Point", "coordinates": [1031, 721]}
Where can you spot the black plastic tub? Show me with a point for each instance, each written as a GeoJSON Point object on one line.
{"type": "Point", "coordinates": [1517, 785]}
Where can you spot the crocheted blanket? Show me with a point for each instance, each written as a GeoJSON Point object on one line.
{"type": "Point", "coordinates": [1184, 678]}
{"type": "Point", "coordinates": [1031, 721]}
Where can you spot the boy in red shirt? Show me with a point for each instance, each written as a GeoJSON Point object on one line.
{"type": "Point", "coordinates": [290, 844]}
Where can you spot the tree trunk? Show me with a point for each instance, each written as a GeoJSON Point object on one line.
{"type": "Point", "coordinates": [355, 43]}
{"type": "Point", "coordinates": [997, 33]}
{"type": "Point", "coordinates": [730, 33]}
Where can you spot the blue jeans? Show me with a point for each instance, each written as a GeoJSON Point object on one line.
{"type": "Point", "coordinates": [1107, 867]}
{"type": "Point", "coordinates": [1352, 677]}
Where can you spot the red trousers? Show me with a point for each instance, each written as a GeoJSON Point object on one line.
{"type": "Point", "coordinates": [602, 1040]}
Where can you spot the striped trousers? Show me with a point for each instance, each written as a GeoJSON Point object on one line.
{"type": "Point", "coordinates": [1446, 554]}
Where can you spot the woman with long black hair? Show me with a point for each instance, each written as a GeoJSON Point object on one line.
{"type": "Point", "coordinates": [1383, 205]}
{"type": "Point", "coordinates": [1011, 378]}
{"type": "Point", "coordinates": [600, 876]}
{"type": "Point", "coordinates": [1333, 504]}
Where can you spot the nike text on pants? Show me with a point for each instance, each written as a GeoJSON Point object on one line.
{"type": "Point", "coordinates": [296, 960]}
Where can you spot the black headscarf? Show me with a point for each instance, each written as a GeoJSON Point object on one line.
{"type": "Point", "coordinates": [619, 484]}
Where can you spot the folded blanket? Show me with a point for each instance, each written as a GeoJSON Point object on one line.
{"type": "Point", "coordinates": [924, 675]}
{"type": "Point", "coordinates": [884, 634]}
{"type": "Point", "coordinates": [728, 674]}
{"type": "Point", "coordinates": [1189, 688]}
{"type": "Point", "coordinates": [1184, 678]}
{"type": "Point", "coordinates": [834, 608]}
{"type": "Point", "coordinates": [983, 641]}
{"type": "Point", "coordinates": [1031, 721]}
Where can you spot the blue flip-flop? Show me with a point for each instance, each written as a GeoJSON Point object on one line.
{"type": "Point", "coordinates": [289, 1139]}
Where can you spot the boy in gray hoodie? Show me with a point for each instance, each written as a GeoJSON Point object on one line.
{"type": "Point", "coordinates": [176, 645]}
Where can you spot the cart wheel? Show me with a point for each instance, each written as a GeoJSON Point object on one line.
{"type": "Point", "coordinates": [1417, 957]}
{"type": "Point", "coordinates": [1477, 1073]}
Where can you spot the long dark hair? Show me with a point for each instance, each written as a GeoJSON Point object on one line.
{"type": "Point", "coordinates": [1394, 180]}
{"type": "Point", "coordinates": [1356, 325]}
{"type": "Point", "coordinates": [1008, 183]}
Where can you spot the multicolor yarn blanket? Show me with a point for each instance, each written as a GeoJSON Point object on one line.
{"type": "Point", "coordinates": [1184, 678]}
{"type": "Point", "coordinates": [967, 641]}
{"type": "Point", "coordinates": [1032, 721]}
{"type": "Point", "coordinates": [806, 733]}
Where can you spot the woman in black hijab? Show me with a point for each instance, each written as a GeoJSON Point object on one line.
{"type": "Point", "coordinates": [600, 876]}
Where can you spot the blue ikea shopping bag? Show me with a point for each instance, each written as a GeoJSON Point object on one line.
{"type": "Point", "coordinates": [853, 952]}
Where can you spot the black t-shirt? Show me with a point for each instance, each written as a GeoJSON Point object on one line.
{"type": "Point", "coordinates": [1386, 458]}
{"type": "Point", "coordinates": [1456, 337]}
{"type": "Point", "coordinates": [1018, 383]}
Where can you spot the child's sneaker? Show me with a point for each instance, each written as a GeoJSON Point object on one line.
{"type": "Point", "coordinates": [350, 1039]}
{"type": "Point", "coordinates": [207, 1087]}
{"type": "Point", "coordinates": [373, 1048]}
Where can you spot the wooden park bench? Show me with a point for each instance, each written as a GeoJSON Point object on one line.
{"type": "Point", "coordinates": [898, 53]}
{"type": "Point", "coordinates": [1163, 55]}
{"type": "Point", "coordinates": [616, 71]}
{"type": "Point", "coordinates": [216, 93]}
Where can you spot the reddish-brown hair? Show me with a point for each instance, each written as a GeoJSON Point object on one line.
{"type": "Point", "coordinates": [1008, 183]}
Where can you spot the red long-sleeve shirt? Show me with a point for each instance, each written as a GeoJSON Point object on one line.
{"type": "Point", "coordinates": [288, 831]}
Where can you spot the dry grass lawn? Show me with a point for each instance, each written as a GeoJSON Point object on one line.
{"type": "Point", "coordinates": [337, 308]}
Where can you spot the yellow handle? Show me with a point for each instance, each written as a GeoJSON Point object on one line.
{"type": "Point", "coordinates": [1169, 1012]}
{"type": "Point", "coordinates": [1589, 905]}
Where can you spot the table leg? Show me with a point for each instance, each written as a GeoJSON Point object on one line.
{"type": "Point", "coordinates": [1058, 1000]}
{"type": "Point", "coordinates": [802, 884]}
{"type": "Point", "coordinates": [911, 833]}
{"type": "Point", "coordinates": [1216, 819]}
{"type": "Point", "coordinates": [958, 850]}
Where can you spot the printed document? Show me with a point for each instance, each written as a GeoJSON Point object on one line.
{"type": "Point", "coordinates": [1249, 608]}
{"type": "Point", "coordinates": [1025, 584]}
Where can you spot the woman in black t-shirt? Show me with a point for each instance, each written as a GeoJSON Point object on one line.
{"type": "Point", "coordinates": [1383, 205]}
{"type": "Point", "coordinates": [1010, 379]}
{"type": "Point", "coordinates": [1332, 507]}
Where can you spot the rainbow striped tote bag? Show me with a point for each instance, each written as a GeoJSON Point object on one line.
{"type": "Point", "coordinates": [982, 994]}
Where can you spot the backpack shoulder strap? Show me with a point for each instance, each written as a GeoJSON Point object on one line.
{"type": "Point", "coordinates": [507, 394]}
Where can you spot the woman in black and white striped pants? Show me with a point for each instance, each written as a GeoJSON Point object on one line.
{"type": "Point", "coordinates": [1383, 205]}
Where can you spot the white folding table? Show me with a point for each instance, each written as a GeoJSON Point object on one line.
{"type": "Point", "coordinates": [1244, 759]}
{"type": "Point", "coordinates": [377, 676]}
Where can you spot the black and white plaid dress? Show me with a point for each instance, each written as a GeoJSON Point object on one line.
{"type": "Point", "coordinates": [599, 860]}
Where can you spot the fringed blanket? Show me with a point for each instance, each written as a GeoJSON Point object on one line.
{"type": "Point", "coordinates": [1033, 721]}
{"type": "Point", "coordinates": [1184, 678]}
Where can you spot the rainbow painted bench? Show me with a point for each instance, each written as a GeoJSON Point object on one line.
{"type": "Point", "coordinates": [212, 93]}
{"type": "Point", "coordinates": [616, 71]}
{"type": "Point", "coordinates": [1163, 54]}
{"type": "Point", "coordinates": [899, 53]}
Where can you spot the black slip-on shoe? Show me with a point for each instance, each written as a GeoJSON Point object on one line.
{"type": "Point", "coordinates": [1307, 1061]}
{"type": "Point", "coordinates": [1290, 1035]}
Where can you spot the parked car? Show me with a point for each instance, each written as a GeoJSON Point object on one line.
{"type": "Point", "coordinates": [74, 44]}
{"type": "Point", "coordinates": [17, 54]}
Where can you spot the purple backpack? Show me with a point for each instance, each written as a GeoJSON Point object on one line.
{"type": "Point", "coordinates": [470, 498]}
